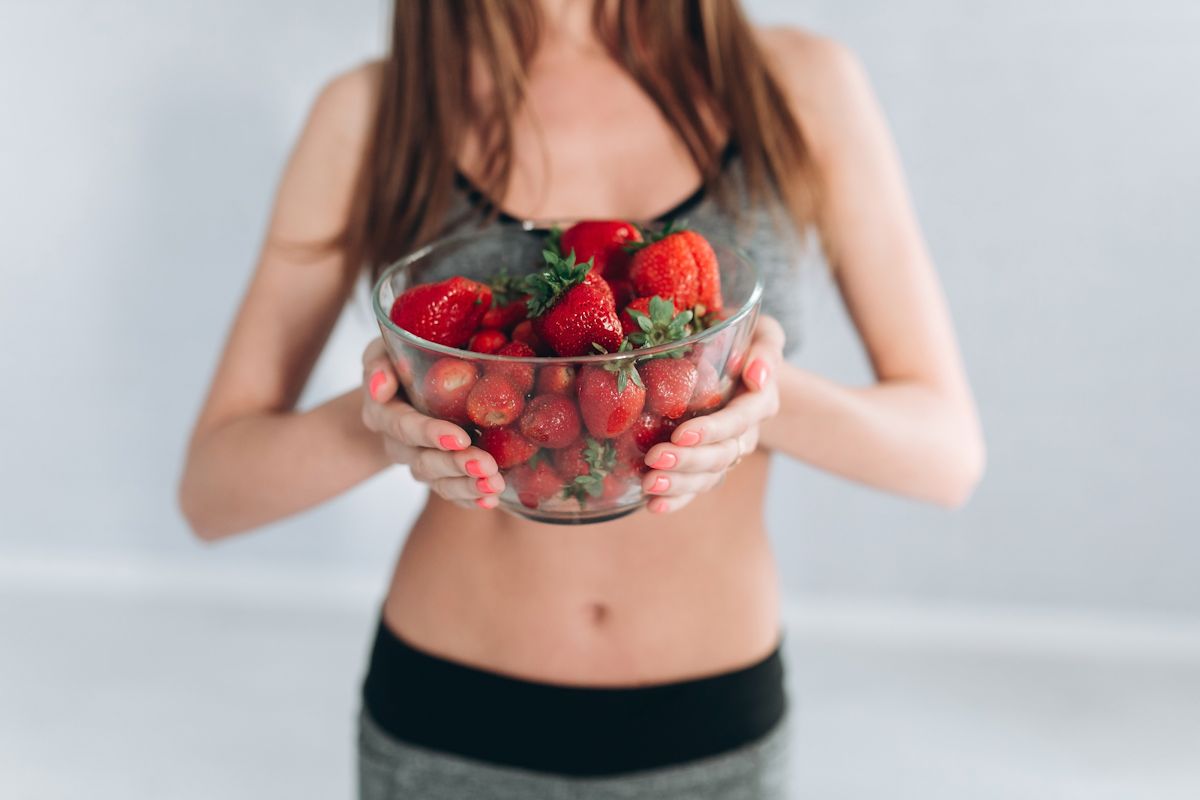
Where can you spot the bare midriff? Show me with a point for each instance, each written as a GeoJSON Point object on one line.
{"type": "Point", "coordinates": [644, 599]}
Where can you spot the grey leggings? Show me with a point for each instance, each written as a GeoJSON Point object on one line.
{"type": "Point", "coordinates": [392, 770]}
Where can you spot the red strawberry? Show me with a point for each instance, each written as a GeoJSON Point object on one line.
{"type": "Point", "coordinates": [570, 461]}
{"type": "Point", "coordinates": [446, 386]}
{"type": "Point", "coordinates": [507, 446]}
{"type": "Point", "coordinates": [508, 303]}
{"type": "Point", "coordinates": [521, 375]}
{"type": "Point", "coordinates": [630, 458]}
{"type": "Point", "coordinates": [572, 308]}
{"type": "Point", "coordinates": [550, 420]}
{"type": "Point", "coordinates": [622, 290]}
{"type": "Point", "coordinates": [446, 313]}
{"type": "Point", "coordinates": [610, 397]}
{"type": "Point", "coordinates": [640, 305]}
{"type": "Point", "coordinates": [535, 482]}
{"type": "Point", "coordinates": [584, 466]}
{"type": "Point", "coordinates": [602, 242]}
{"type": "Point", "coordinates": [524, 332]}
{"type": "Point", "coordinates": [614, 486]}
{"type": "Point", "coordinates": [669, 385]}
{"type": "Point", "coordinates": [659, 323]}
{"type": "Point", "coordinates": [494, 402]}
{"type": "Point", "coordinates": [503, 318]}
{"type": "Point", "coordinates": [707, 394]}
{"type": "Point", "coordinates": [680, 266]}
{"type": "Point", "coordinates": [650, 430]}
{"type": "Point", "coordinates": [556, 379]}
{"type": "Point", "coordinates": [487, 341]}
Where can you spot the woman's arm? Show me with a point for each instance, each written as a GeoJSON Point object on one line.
{"type": "Point", "coordinates": [915, 431]}
{"type": "Point", "coordinates": [253, 458]}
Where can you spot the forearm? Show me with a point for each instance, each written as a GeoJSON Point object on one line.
{"type": "Point", "coordinates": [263, 467]}
{"type": "Point", "coordinates": [899, 436]}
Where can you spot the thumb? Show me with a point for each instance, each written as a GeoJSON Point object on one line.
{"type": "Point", "coordinates": [765, 354]}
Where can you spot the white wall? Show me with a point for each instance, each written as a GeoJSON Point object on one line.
{"type": "Point", "coordinates": [1051, 154]}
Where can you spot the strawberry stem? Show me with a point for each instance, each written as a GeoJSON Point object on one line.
{"type": "Point", "coordinates": [553, 281]}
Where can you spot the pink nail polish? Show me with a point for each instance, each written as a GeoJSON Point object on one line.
{"type": "Point", "coordinates": [665, 461]}
{"type": "Point", "coordinates": [378, 379]}
{"type": "Point", "coordinates": [758, 372]}
{"type": "Point", "coordinates": [450, 443]}
{"type": "Point", "coordinates": [688, 438]}
{"type": "Point", "coordinates": [482, 502]}
{"type": "Point", "coordinates": [475, 468]}
{"type": "Point", "coordinates": [661, 484]}
{"type": "Point", "coordinates": [483, 486]}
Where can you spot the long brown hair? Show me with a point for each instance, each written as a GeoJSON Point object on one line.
{"type": "Point", "coordinates": [691, 57]}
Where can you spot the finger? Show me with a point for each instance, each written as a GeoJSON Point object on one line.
{"type": "Point", "coordinates": [468, 489]}
{"type": "Point", "coordinates": [765, 353]}
{"type": "Point", "coordinates": [702, 458]}
{"type": "Point", "coordinates": [665, 505]}
{"type": "Point", "coordinates": [742, 412]}
{"type": "Point", "coordinates": [679, 484]}
{"type": "Point", "coordinates": [398, 452]}
{"type": "Point", "coordinates": [410, 426]}
{"type": "Point", "coordinates": [430, 465]}
{"type": "Point", "coordinates": [379, 377]}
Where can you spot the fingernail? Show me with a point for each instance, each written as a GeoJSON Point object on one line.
{"type": "Point", "coordinates": [482, 502]}
{"type": "Point", "coordinates": [665, 461]}
{"type": "Point", "coordinates": [656, 508]}
{"type": "Point", "coordinates": [378, 379]}
{"type": "Point", "coordinates": [474, 467]}
{"type": "Point", "coordinates": [758, 372]}
{"type": "Point", "coordinates": [661, 484]}
{"type": "Point", "coordinates": [688, 438]}
{"type": "Point", "coordinates": [483, 486]}
{"type": "Point", "coordinates": [450, 443]}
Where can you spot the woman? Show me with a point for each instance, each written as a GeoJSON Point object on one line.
{"type": "Point", "coordinates": [639, 657]}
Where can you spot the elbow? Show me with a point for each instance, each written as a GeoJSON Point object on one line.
{"type": "Point", "coordinates": [965, 468]}
{"type": "Point", "coordinates": [197, 511]}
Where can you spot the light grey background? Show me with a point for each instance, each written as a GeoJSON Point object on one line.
{"type": "Point", "coordinates": [1051, 152]}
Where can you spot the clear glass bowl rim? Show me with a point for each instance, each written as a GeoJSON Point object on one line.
{"type": "Point", "coordinates": [599, 358]}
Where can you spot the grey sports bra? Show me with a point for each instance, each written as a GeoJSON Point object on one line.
{"type": "Point", "coordinates": [763, 231]}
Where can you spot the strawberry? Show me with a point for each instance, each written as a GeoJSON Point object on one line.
{"type": "Point", "coordinates": [658, 323]}
{"type": "Point", "coordinates": [630, 458]}
{"type": "Point", "coordinates": [584, 467]}
{"type": "Point", "coordinates": [611, 396]}
{"type": "Point", "coordinates": [550, 420]}
{"type": "Point", "coordinates": [508, 303]}
{"type": "Point", "coordinates": [556, 379]}
{"type": "Point", "coordinates": [507, 446]}
{"type": "Point", "coordinates": [523, 332]}
{"type": "Point", "coordinates": [707, 394]}
{"type": "Point", "coordinates": [446, 313]}
{"type": "Point", "coordinates": [679, 265]}
{"type": "Point", "coordinates": [640, 305]}
{"type": "Point", "coordinates": [487, 341]}
{"type": "Point", "coordinates": [494, 402]}
{"type": "Point", "coordinates": [669, 385]}
{"type": "Point", "coordinates": [446, 386]}
{"type": "Point", "coordinates": [521, 375]}
{"type": "Point", "coordinates": [572, 308]}
{"type": "Point", "coordinates": [535, 481]}
{"type": "Point", "coordinates": [570, 461]}
{"type": "Point", "coordinates": [622, 290]}
{"type": "Point", "coordinates": [603, 243]}
{"type": "Point", "coordinates": [650, 430]}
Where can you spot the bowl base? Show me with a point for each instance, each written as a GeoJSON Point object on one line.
{"type": "Point", "coordinates": [574, 517]}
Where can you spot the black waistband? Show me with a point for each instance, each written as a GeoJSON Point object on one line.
{"type": "Point", "coordinates": [430, 702]}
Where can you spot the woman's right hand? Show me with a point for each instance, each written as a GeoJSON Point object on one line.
{"type": "Point", "coordinates": [437, 452]}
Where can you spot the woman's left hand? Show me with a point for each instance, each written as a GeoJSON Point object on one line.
{"type": "Point", "coordinates": [704, 448]}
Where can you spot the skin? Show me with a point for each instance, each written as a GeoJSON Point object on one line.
{"type": "Point", "coordinates": [688, 588]}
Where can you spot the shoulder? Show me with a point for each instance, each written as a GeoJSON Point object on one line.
{"type": "Point", "coordinates": [345, 106]}
{"type": "Point", "coordinates": [824, 80]}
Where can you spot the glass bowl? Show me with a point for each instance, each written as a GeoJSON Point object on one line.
{"type": "Point", "coordinates": [551, 485]}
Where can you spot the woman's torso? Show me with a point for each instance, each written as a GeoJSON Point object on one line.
{"type": "Point", "coordinates": [647, 598]}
